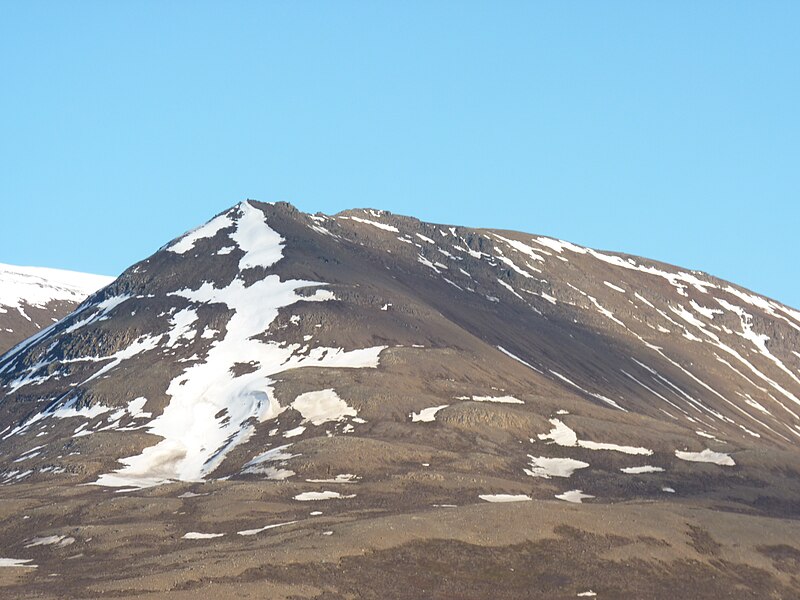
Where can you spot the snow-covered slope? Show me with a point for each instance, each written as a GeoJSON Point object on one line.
{"type": "Point", "coordinates": [34, 297]}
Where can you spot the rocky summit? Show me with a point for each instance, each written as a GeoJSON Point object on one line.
{"type": "Point", "coordinates": [364, 405]}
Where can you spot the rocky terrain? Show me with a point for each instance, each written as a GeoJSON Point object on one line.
{"type": "Point", "coordinates": [284, 405]}
{"type": "Point", "coordinates": [33, 298]}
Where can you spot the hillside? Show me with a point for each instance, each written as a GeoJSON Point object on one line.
{"type": "Point", "coordinates": [315, 406]}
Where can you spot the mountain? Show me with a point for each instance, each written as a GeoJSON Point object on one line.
{"type": "Point", "coordinates": [366, 405]}
{"type": "Point", "coordinates": [32, 298]}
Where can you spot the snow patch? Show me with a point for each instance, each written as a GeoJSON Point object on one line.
{"type": "Point", "coordinates": [59, 541]}
{"type": "Point", "coordinates": [426, 415]}
{"type": "Point", "coordinates": [562, 435]}
{"type": "Point", "coordinates": [322, 406]}
{"type": "Point", "coordinates": [196, 535]}
{"type": "Point", "coordinates": [546, 467]}
{"type": "Point", "coordinates": [498, 399]}
{"type": "Point", "coordinates": [574, 496]}
{"type": "Point", "coordinates": [247, 532]}
{"type": "Point", "coordinates": [17, 562]}
{"type": "Point", "coordinates": [341, 478]}
{"type": "Point", "coordinates": [326, 495]}
{"type": "Point", "coordinates": [504, 497]}
{"type": "Point", "coordinates": [706, 456]}
{"type": "Point", "coordinates": [207, 230]}
{"type": "Point", "coordinates": [642, 469]}
{"type": "Point", "coordinates": [374, 224]}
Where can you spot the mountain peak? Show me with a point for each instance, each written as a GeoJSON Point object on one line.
{"type": "Point", "coordinates": [270, 358]}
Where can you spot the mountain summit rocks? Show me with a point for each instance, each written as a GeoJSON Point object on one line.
{"type": "Point", "coordinates": [395, 373]}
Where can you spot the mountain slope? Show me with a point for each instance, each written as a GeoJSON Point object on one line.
{"type": "Point", "coordinates": [33, 297]}
{"type": "Point", "coordinates": [391, 369]}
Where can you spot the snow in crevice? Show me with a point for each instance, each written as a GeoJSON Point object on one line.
{"type": "Point", "coordinates": [59, 541]}
{"type": "Point", "coordinates": [510, 289]}
{"type": "Point", "coordinates": [708, 313]}
{"type": "Point", "coordinates": [681, 281]}
{"type": "Point", "coordinates": [383, 226]}
{"type": "Point", "coordinates": [643, 299]}
{"type": "Point", "coordinates": [544, 295]}
{"type": "Point", "coordinates": [677, 390]}
{"type": "Point", "coordinates": [518, 359]}
{"type": "Point", "coordinates": [181, 327]}
{"type": "Point", "coordinates": [605, 312]}
{"type": "Point", "coordinates": [655, 393]}
{"type": "Point", "coordinates": [758, 340]}
{"type": "Point", "coordinates": [723, 398]}
{"type": "Point", "coordinates": [264, 463]}
{"type": "Point", "coordinates": [616, 288]}
{"type": "Point", "coordinates": [68, 410]}
{"type": "Point", "coordinates": [772, 308]}
{"type": "Point", "coordinates": [600, 397]}
{"type": "Point", "coordinates": [248, 532]}
{"type": "Point", "coordinates": [97, 311]}
{"type": "Point", "coordinates": [428, 263]}
{"type": "Point", "coordinates": [515, 267]}
{"type": "Point", "coordinates": [521, 247]}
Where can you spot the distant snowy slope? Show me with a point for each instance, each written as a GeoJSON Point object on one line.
{"type": "Point", "coordinates": [38, 286]}
{"type": "Point", "coordinates": [33, 297]}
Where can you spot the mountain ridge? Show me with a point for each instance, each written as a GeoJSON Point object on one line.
{"type": "Point", "coordinates": [47, 294]}
{"type": "Point", "coordinates": [655, 261]}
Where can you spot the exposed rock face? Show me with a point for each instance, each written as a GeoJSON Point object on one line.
{"type": "Point", "coordinates": [33, 298]}
{"type": "Point", "coordinates": [379, 363]}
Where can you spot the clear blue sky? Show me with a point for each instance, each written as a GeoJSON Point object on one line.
{"type": "Point", "coordinates": [665, 129]}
